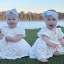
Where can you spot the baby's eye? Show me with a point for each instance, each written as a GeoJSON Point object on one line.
{"type": "Point", "coordinates": [13, 19]}
{"type": "Point", "coordinates": [9, 19]}
{"type": "Point", "coordinates": [48, 19]}
{"type": "Point", "coordinates": [54, 19]}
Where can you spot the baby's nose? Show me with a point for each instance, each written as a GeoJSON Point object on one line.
{"type": "Point", "coordinates": [51, 21]}
{"type": "Point", "coordinates": [11, 20]}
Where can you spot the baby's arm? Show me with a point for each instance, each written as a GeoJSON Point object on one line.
{"type": "Point", "coordinates": [14, 39]}
{"type": "Point", "coordinates": [1, 35]}
{"type": "Point", "coordinates": [61, 41]}
{"type": "Point", "coordinates": [48, 42]}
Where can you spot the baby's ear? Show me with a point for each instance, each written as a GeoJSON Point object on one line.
{"type": "Point", "coordinates": [44, 19]}
{"type": "Point", "coordinates": [18, 19]}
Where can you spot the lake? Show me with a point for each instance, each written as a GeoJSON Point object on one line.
{"type": "Point", "coordinates": [31, 24]}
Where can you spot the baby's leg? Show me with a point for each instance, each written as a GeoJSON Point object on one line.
{"type": "Point", "coordinates": [41, 52]}
{"type": "Point", "coordinates": [43, 60]}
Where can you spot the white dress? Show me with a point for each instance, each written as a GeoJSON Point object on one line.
{"type": "Point", "coordinates": [41, 50]}
{"type": "Point", "coordinates": [13, 50]}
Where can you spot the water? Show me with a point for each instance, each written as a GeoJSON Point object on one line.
{"type": "Point", "coordinates": [31, 24]}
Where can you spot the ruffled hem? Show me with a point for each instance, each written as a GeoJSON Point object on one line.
{"type": "Point", "coordinates": [13, 58]}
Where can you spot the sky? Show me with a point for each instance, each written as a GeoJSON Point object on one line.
{"type": "Point", "coordinates": [34, 6]}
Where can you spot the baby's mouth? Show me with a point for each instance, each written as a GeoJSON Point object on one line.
{"type": "Point", "coordinates": [50, 25]}
{"type": "Point", "coordinates": [11, 23]}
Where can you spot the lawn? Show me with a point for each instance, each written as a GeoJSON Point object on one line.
{"type": "Point", "coordinates": [31, 36]}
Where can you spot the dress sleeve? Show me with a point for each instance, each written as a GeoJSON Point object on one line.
{"type": "Point", "coordinates": [42, 32]}
{"type": "Point", "coordinates": [60, 33]}
{"type": "Point", "coordinates": [21, 31]}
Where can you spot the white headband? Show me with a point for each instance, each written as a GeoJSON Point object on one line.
{"type": "Point", "coordinates": [13, 11]}
{"type": "Point", "coordinates": [54, 14]}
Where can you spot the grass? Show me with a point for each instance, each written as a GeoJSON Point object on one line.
{"type": "Point", "coordinates": [31, 36]}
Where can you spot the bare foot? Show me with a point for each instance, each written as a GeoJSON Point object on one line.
{"type": "Point", "coordinates": [43, 60]}
{"type": "Point", "coordinates": [56, 53]}
{"type": "Point", "coordinates": [0, 57]}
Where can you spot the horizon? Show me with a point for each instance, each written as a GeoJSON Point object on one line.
{"type": "Point", "coordinates": [34, 6]}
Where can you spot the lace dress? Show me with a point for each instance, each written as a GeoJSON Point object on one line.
{"type": "Point", "coordinates": [41, 50]}
{"type": "Point", "coordinates": [13, 50]}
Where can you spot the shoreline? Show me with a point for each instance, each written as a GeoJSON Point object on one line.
{"type": "Point", "coordinates": [29, 20]}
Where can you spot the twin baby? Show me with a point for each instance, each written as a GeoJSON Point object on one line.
{"type": "Point", "coordinates": [49, 43]}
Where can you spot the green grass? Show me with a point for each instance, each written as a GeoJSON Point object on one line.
{"type": "Point", "coordinates": [31, 36]}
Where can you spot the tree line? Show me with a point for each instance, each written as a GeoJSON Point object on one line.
{"type": "Point", "coordinates": [29, 16]}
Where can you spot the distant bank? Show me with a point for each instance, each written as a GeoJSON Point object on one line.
{"type": "Point", "coordinates": [29, 16]}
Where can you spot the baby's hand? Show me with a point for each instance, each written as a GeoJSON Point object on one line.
{"type": "Point", "coordinates": [7, 38]}
{"type": "Point", "coordinates": [0, 31]}
{"type": "Point", "coordinates": [54, 46]}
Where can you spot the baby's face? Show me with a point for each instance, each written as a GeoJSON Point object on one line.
{"type": "Point", "coordinates": [12, 20]}
{"type": "Point", "coordinates": [50, 22]}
